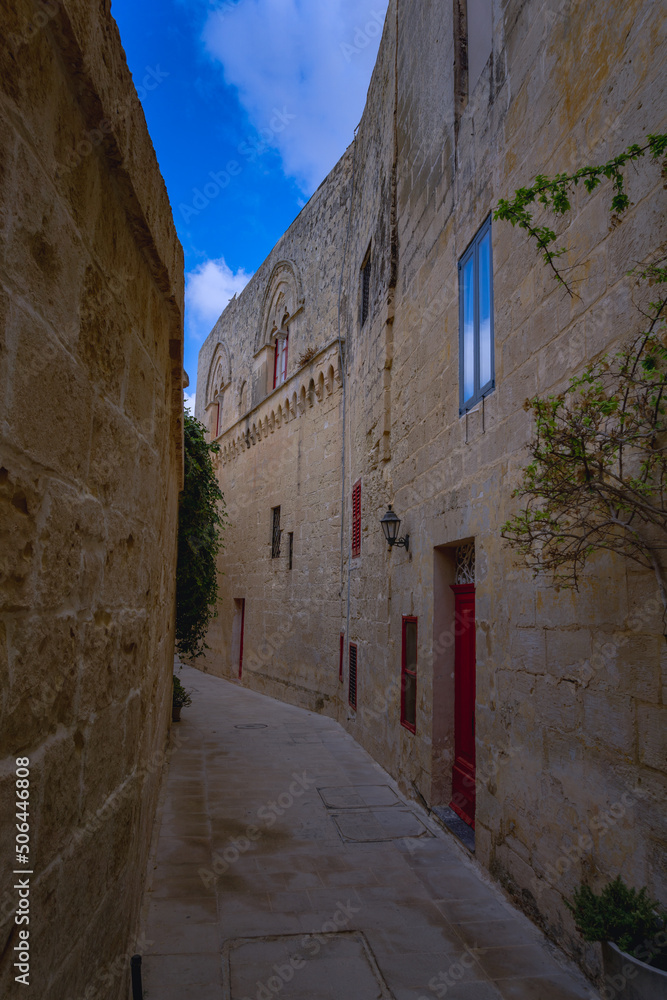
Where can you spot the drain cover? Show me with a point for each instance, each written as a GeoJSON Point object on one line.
{"type": "Point", "coordinates": [367, 826]}
{"type": "Point", "coordinates": [251, 725]}
{"type": "Point", "coordinates": [303, 967]}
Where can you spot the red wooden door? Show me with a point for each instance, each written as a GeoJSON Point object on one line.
{"type": "Point", "coordinates": [463, 775]}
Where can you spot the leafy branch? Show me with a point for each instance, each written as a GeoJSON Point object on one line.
{"type": "Point", "coordinates": [554, 194]}
{"type": "Point", "coordinates": [598, 475]}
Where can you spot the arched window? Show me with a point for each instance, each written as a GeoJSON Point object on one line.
{"type": "Point", "coordinates": [280, 359]}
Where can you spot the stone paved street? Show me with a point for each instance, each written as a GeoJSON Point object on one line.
{"type": "Point", "coordinates": [330, 887]}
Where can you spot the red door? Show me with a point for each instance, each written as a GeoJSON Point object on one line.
{"type": "Point", "coordinates": [463, 776]}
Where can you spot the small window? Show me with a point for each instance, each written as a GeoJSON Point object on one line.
{"type": "Point", "coordinates": [476, 350]}
{"type": "Point", "coordinates": [352, 660]}
{"type": "Point", "coordinates": [280, 362]}
{"type": "Point", "coordinates": [291, 550]}
{"type": "Point", "coordinates": [342, 657]}
{"type": "Point", "coordinates": [217, 419]}
{"type": "Point", "coordinates": [356, 520]}
{"type": "Point", "coordinates": [275, 537]}
{"type": "Point", "coordinates": [409, 674]}
{"type": "Point", "coordinates": [365, 288]}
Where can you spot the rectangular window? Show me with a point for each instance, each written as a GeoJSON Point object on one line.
{"type": "Point", "coordinates": [342, 657]}
{"type": "Point", "coordinates": [352, 662]}
{"type": "Point", "coordinates": [409, 674]}
{"type": "Point", "coordinates": [217, 419]}
{"type": "Point", "coordinates": [291, 549]}
{"type": "Point", "coordinates": [476, 349]}
{"type": "Point", "coordinates": [275, 537]}
{"type": "Point", "coordinates": [365, 289]}
{"type": "Point", "coordinates": [356, 519]}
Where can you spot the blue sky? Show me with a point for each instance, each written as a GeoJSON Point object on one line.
{"type": "Point", "coordinates": [249, 104]}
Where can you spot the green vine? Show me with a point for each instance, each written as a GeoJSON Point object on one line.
{"type": "Point", "coordinates": [554, 194]}
{"type": "Point", "coordinates": [201, 521]}
{"type": "Point", "coordinates": [598, 475]}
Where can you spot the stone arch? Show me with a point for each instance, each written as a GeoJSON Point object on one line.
{"type": "Point", "coordinates": [295, 404]}
{"type": "Point", "coordinates": [302, 400]}
{"type": "Point", "coordinates": [219, 373]}
{"type": "Point", "coordinates": [283, 298]}
{"type": "Point", "coordinates": [279, 415]}
{"type": "Point", "coordinates": [311, 392]}
{"type": "Point", "coordinates": [330, 380]}
{"type": "Point", "coordinates": [320, 387]}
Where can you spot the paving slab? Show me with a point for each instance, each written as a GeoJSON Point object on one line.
{"type": "Point", "coordinates": [287, 863]}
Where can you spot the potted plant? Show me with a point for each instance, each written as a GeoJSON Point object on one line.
{"type": "Point", "coordinates": [632, 930]}
{"type": "Point", "coordinates": [181, 699]}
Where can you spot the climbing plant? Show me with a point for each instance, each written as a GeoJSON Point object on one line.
{"type": "Point", "coordinates": [554, 193]}
{"type": "Point", "coordinates": [598, 475]}
{"type": "Point", "coordinates": [201, 521]}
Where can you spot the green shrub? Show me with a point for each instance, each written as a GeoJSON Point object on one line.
{"type": "Point", "coordinates": [181, 697]}
{"type": "Point", "coordinates": [627, 917]}
{"type": "Point", "coordinates": [201, 520]}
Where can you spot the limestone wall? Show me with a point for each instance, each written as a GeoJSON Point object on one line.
{"type": "Point", "coordinates": [283, 448]}
{"type": "Point", "coordinates": [570, 710]}
{"type": "Point", "coordinates": [91, 306]}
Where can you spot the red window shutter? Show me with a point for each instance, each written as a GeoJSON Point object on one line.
{"type": "Point", "coordinates": [356, 519]}
{"type": "Point", "coordinates": [275, 366]}
{"type": "Point", "coordinates": [409, 674]}
{"type": "Point", "coordinates": [352, 660]}
{"type": "Point", "coordinates": [284, 365]}
{"type": "Point", "coordinates": [342, 656]}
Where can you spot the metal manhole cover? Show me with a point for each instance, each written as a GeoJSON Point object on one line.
{"type": "Point", "coordinates": [367, 826]}
{"type": "Point", "coordinates": [251, 725]}
{"type": "Point", "coordinates": [358, 796]}
{"type": "Point", "coordinates": [302, 967]}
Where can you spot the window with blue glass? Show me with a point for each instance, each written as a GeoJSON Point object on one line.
{"type": "Point", "coordinates": [477, 374]}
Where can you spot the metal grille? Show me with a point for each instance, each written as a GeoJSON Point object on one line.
{"type": "Point", "coordinates": [275, 540]}
{"type": "Point", "coordinates": [353, 675]}
{"type": "Point", "coordinates": [291, 549]}
{"type": "Point", "coordinates": [365, 290]}
{"type": "Point", "coordinates": [356, 519]}
{"type": "Point", "coordinates": [465, 563]}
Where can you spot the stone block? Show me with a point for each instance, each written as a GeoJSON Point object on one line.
{"type": "Point", "coordinates": [652, 731]}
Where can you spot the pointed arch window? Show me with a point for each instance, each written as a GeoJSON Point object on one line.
{"type": "Point", "coordinates": [280, 361]}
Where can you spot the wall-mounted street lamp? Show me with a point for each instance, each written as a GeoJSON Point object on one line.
{"type": "Point", "coordinates": [390, 525]}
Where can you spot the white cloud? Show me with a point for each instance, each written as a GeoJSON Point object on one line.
{"type": "Point", "coordinates": [208, 289]}
{"type": "Point", "coordinates": [189, 400]}
{"type": "Point", "coordinates": [304, 58]}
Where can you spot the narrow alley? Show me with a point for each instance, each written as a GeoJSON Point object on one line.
{"type": "Point", "coordinates": [287, 864]}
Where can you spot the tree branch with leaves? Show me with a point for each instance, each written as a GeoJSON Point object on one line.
{"type": "Point", "coordinates": [598, 475]}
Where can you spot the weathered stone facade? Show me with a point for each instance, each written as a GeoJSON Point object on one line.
{"type": "Point", "coordinates": [91, 306]}
{"type": "Point", "coordinates": [570, 716]}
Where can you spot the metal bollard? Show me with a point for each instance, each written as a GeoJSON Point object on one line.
{"type": "Point", "coordinates": [135, 965]}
